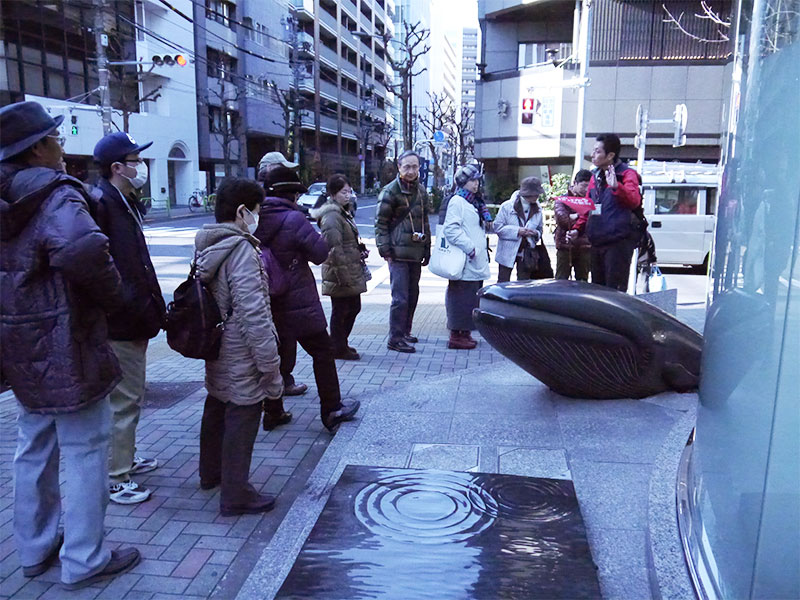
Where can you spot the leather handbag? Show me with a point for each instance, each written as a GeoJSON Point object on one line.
{"type": "Point", "coordinates": [447, 260]}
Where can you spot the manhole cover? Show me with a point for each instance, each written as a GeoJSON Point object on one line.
{"type": "Point", "coordinates": [166, 394]}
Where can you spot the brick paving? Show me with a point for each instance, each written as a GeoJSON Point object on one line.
{"type": "Point", "coordinates": [189, 550]}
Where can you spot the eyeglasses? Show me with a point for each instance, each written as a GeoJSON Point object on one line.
{"type": "Point", "coordinates": [59, 138]}
{"type": "Point", "coordinates": [135, 161]}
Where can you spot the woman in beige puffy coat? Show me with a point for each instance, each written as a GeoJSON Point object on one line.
{"type": "Point", "coordinates": [343, 277]}
{"type": "Point", "coordinates": [247, 371]}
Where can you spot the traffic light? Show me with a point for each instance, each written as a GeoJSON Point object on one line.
{"type": "Point", "coordinates": [74, 129]}
{"type": "Point", "coordinates": [169, 60]}
{"type": "Point", "coordinates": [529, 106]}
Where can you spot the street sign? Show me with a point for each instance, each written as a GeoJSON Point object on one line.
{"type": "Point", "coordinates": [438, 136]}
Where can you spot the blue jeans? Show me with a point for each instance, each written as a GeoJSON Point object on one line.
{"type": "Point", "coordinates": [82, 437]}
{"type": "Point", "coordinates": [404, 279]}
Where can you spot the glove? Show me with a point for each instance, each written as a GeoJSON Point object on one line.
{"type": "Point", "coordinates": [387, 253]}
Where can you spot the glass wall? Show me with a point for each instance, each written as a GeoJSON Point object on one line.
{"type": "Point", "coordinates": [744, 471]}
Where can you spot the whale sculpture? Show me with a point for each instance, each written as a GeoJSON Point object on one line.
{"type": "Point", "coordinates": [588, 341]}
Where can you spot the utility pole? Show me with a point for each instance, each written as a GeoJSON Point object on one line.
{"type": "Point", "coordinates": [101, 43]}
{"type": "Point", "coordinates": [584, 45]}
{"type": "Point", "coordinates": [296, 65]}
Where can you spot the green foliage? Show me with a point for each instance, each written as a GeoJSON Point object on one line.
{"type": "Point", "coordinates": [558, 187]}
{"type": "Point", "coordinates": [499, 189]}
{"type": "Point", "coordinates": [437, 197]}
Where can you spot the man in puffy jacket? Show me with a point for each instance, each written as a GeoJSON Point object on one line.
{"type": "Point", "coordinates": [403, 237]}
{"type": "Point", "coordinates": [119, 214]}
{"type": "Point", "coordinates": [572, 243]}
{"type": "Point", "coordinates": [613, 229]}
{"type": "Point", "coordinates": [58, 282]}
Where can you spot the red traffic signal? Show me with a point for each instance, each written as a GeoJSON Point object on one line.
{"type": "Point", "coordinates": [527, 103]}
{"type": "Point", "coordinates": [170, 60]}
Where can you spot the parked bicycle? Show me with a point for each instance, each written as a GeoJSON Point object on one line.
{"type": "Point", "coordinates": [202, 199]}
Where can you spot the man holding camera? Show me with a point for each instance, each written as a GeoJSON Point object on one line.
{"type": "Point", "coordinates": [403, 237]}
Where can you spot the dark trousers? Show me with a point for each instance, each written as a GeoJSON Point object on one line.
{"type": "Point", "coordinates": [404, 279]}
{"type": "Point", "coordinates": [344, 311]}
{"type": "Point", "coordinates": [504, 273]}
{"type": "Point", "coordinates": [319, 348]}
{"type": "Point", "coordinates": [568, 259]}
{"type": "Point", "coordinates": [611, 264]}
{"type": "Point", "coordinates": [227, 435]}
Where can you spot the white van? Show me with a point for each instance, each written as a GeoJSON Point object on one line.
{"type": "Point", "coordinates": [680, 203]}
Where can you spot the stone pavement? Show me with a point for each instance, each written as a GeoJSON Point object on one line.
{"type": "Point", "coordinates": [189, 550]}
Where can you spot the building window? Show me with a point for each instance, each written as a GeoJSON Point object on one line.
{"type": "Point", "coordinates": [536, 53]}
{"type": "Point", "coordinates": [222, 12]}
{"type": "Point", "coordinates": [220, 65]}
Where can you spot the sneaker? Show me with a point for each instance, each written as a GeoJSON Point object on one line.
{"type": "Point", "coordinates": [143, 465]}
{"type": "Point", "coordinates": [346, 412]}
{"type": "Point", "coordinates": [296, 389]}
{"type": "Point", "coordinates": [122, 560]}
{"type": "Point", "coordinates": [39, 568]}
{"type": "Point", "coordinates": [411, 339]}
{"type": "Point", "coordinates": [128, 492]}
{"type": "Point", "coordinates": [401, 346]}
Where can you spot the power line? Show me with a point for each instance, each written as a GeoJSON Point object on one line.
{"type": "Point", "coordinates": [190, 20]}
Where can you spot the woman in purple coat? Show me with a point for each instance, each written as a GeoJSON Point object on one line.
{"type": "Point", "coordinates": [297, 314]}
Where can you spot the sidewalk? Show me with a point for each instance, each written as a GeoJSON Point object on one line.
{"type": "Point", "coordinates": [189, 550]}
{"type": "Point", "coordinates": [438, 408]}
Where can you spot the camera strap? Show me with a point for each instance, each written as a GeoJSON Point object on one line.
{"type": "Point", "coordinates": [404, 212]}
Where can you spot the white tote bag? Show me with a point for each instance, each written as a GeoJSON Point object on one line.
{"type": "Point", "coordinates": [447, 260]}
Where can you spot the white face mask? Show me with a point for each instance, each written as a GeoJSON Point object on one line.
{"type": "Point", "coordinates": [140, 178]}
{"type": "Point", "coordinates": [251, 227]}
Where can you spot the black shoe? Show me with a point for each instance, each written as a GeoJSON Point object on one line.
{"type": "Point", "coordinates": [296, 389]}
{"type": "Point", "coordinates": [272, 421]}
{"type": "Point", "coordinates": [210, 484]}
{"type": "Point", "coordinates": [401, 346]}
{"type": "Point", "coordinates": [349, 354]}
{"type": "Point", "coordinates": [261, 503]}
{"type": "Point", "coordinates": [121, 561]}
{"type": "Point", "coordinates": [411, 339]}
{"type": "Point", "coordinates": [346, 412]}
{"type": "Point", "coordinates": [39, 568]}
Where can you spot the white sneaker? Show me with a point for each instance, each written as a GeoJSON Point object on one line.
{"type": "Point", "coordinates": [143, 465]}
{"type": "Point", "coordinates": [128, 492]}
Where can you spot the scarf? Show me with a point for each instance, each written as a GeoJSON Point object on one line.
{"type": "Point", "coordinates": [477, 202]}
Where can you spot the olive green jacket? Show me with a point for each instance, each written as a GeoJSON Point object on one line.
{"type": "Point", "coordinates": [342, 273]}
{"type": "Point", "coordinates": [394, 240]}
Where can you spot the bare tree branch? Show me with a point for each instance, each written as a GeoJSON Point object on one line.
{"type": "Point", "coordinates": [709, 14]}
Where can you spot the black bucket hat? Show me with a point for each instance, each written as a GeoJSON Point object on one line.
{"type": "Point", "coordinates": [280, 179]}
{"type": "Point", "coordinates": [22, 124]}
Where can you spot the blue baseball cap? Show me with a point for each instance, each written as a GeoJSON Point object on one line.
{"type": "Point", "coordinates": [116, 146]}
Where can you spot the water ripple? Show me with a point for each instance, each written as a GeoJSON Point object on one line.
{"type": "Point", "coordinates": [426, 507]}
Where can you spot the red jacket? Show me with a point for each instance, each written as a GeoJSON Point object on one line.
{"type": "Point", "coordinates": [563, 208]}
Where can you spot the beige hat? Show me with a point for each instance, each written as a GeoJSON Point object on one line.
{"type": "Point", "coordinates": [275, 158]}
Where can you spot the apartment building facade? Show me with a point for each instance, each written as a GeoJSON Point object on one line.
{"type": "Point", "coordinates": [48, 55]}
{"type": "Point", "coordinates": [469, 66]}
{"type": "Point", "coordinates": [527, 95]}
{"type": "Point", "coordinates": [242, 53]}
{"type": "Point", "coordinates": [344, 87]}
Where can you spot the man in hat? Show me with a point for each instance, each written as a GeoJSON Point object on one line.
{"type": "Point", "coordinates": [59, 281]}
{"type": "Point", "coordinates": [403, 237]}
{"type": "Point", "coordinates": [119, 214]}
{"type": "Point", "coordinates": [297, 314]}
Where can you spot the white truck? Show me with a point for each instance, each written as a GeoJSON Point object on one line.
{"type": "Point", "coordinates": [680, 203]}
